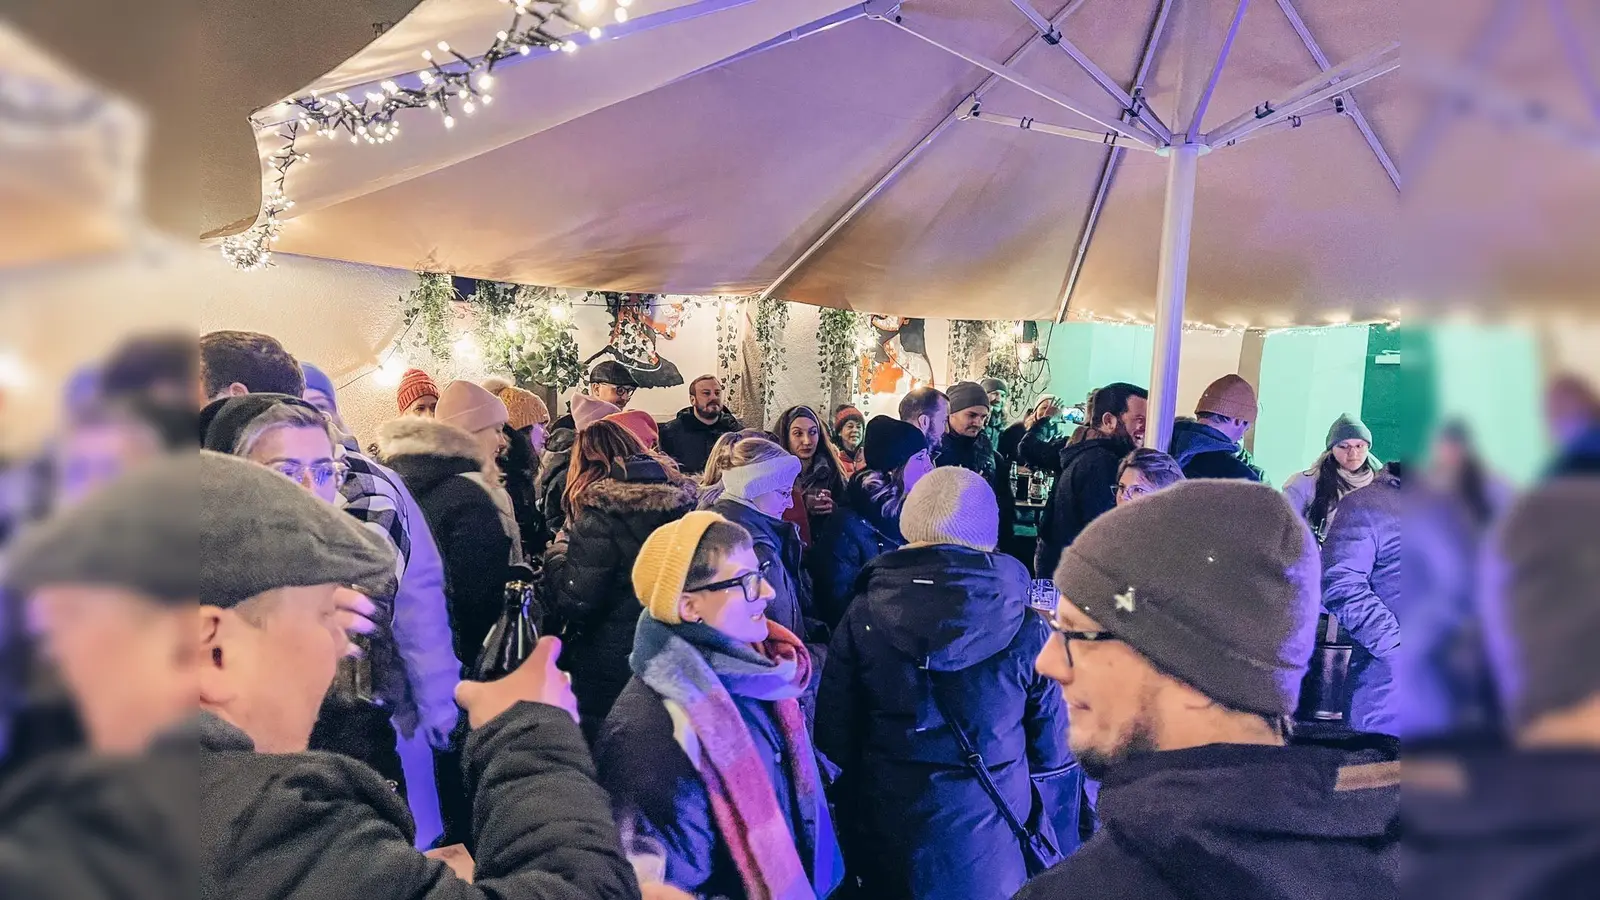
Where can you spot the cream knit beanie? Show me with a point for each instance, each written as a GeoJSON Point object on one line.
{"type": "Point", "coordinates": [952, 505]}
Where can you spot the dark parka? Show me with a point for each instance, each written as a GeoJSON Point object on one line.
{"type": "Point", "coordinates": [1233, 820]}
{"type": "Point", "coordinates": [918, 821]}
{"type": "Point", "coordinates": [688, 440]}
{"type": "Point", "coordinates": [316, 826]}
{"type": "Point", "coordinates": [1496, 824]}
{"type": "Point", "coordinates": [590, 576]}
{"type": "Point", "coordinates": [550, 485]}
{"type": "Point", "coordinates": [1084, 491]}
{"type": "Point", "coordinates": [777, 545]}
{"type": "Point", "coordinates": [1361, 587]}
{"type": "Point", "coordinates": [1205, 452]}
{"type": "Point", "coordinates": [441, 466]}
{"type": "Point", "coordinates": [858, 532]}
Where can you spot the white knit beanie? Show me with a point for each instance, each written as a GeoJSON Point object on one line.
{"type": "Point", "coordinates": [750, 481]}
{"type": "Point", "coordinates": [952, 505]}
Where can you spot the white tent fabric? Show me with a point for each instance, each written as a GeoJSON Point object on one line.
{"type": "Point", "coordinates": [69, 160]}
{"type": "Point", "coordinates": [710, 144]}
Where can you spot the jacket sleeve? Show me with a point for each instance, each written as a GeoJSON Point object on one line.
{"type": "Point", "coordinates": [476, 552]}
{"type": "Point", "coordinates": [1040, 447]}
{"type": "Point", "coordinates": [580, 569]}
{"type": "Point", "coordinates": [1300, 490]}
{"type": "Point", "coordinates": [542, 827]}
{"type": "Point", "coordinates": [836, 567]}
{"type": "Point", "coordinates": [422, 632]}
{"type": "Point", "coordinates": [1044, 718]}
{"type": "Point", "coordinates": [839, 727]}
{"type": "Point", "coordinates": [1349, 555]}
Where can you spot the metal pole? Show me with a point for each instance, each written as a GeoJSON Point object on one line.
{"type": "Point", "coordinates": [1177, 224]}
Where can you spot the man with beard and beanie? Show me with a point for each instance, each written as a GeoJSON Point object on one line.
{"type": "Point", "coordinates": [1207, 446]}
{"type": "Point", "coordinates": [1086, 486]}
{"type": "Point", "coordinates": [691, 433]}
{"type": "Point", "coordinates": [1522, 821]}
{"type": "Point", "coordinates": [609, 382]}
{"type": "Point", "coordinates": [969, 443]}
{"type": "Point", "coordinates": [999, 394]}
{"type": "Point", "coordinates": [1185, 624]}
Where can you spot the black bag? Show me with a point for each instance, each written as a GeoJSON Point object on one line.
{"type": "Point", "coordinates": [1039, 850]}
{"type": "Point", "coordinates": [514, 635]}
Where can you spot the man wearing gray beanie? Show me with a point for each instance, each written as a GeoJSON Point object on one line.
{"type": "Point", "coordinates": [264, 569]}
{"type": "Point", "coordinates": [1521, 821]}
{"type": "Point", "coordinates": [1185, 624]}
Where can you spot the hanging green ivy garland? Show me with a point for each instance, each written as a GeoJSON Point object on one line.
{"type": "Point", "coordinates": [527, 332]}
{"type": "Point", "coordinates": [839, 349]}
{"type": "Point", "coordinates": [426, 314]}
{"type": "Point", "coordinates": [1003, 363]}
{"type": "Point", "coordinates": [964, 339]}
{"type": "Point", "coordinates": [772, 317]}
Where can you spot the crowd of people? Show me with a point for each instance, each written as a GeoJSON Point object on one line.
{"type": "Point", "coordinates": [799, 662]}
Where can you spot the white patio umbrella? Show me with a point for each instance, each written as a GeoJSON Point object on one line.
{"type": "Point", "coordinates": [69, 160]}
{"type": "Point", "coordinates": [1151, 160]}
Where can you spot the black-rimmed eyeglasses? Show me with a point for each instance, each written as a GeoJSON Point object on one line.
{"type": "Point", "coordinates": [749, 583]}
{"type": "Point", "coordinates": [1068, 636]}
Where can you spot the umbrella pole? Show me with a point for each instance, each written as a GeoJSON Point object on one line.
{"type": "Point", "coordinates": [1171, 283]}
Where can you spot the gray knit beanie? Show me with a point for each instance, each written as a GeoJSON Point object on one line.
{"type": "Point", "coordinates": [952, 505]}
{"type": "Point", "coordinates": [1550, 560]}
{"type": "Point", "coordinates": [1348, 428]}
{"type": "Point", "coordinates": [966, 395]}
{"type": "Point", "coordinates": [1216, 582]}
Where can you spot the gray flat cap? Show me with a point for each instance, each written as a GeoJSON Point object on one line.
{"type": "Point", "coordinates": [206, 527]}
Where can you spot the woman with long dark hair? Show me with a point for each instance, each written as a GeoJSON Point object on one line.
{"type": "Point", "coordinates": [617, 494]}
{"type": "Point", "coordinates": [800, 431]}
{"type": "Point", "coordinates": [1347, 465]}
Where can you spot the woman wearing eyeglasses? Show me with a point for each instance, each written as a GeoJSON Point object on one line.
{"type": "Point", "coordinates": [706, 750]}
{"type": "Point", "coordinates": [1145, 471]}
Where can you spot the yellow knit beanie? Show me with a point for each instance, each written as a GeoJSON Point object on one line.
{"type": "Point", "coordinates": [663, 563]}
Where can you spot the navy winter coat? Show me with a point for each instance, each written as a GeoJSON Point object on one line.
{"type": "Point", "coordinates": [918, 821]}
{"type": "Point", "coordinates": [1205, 452]}
{"type": "Point", "coordinates": [1495, 824]}
{"type": "Point", "coordinates": [858, 532]}
{"type": "Point", "coordinates": [1304, 822]}
{"type": "Point", "coordinates": [1084, 491]}
{"type": "Point", "coordinates": [590, 574]}
{"type": "Point", "coordinates": [1361, 587]}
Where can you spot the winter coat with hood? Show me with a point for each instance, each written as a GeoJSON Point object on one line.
{"type": "Point", "coordinates": [919, 820]}
{"type": "Point", "coordinates": [313, 826]}
{"type": "Point", "coordinates": [1205, 452]}
{"type": "Point", "coordinates": [1303, 822]}
{"type": "Point", "coordinates": [550, 485]}
{"type": "Point", "coordinates": [1497, 824]}
{"type": "Point", "coordinates": [688, 440]}
{"type": "Point", "coordinates": [1084, 491]}
{"type": "Point", "coordinates": [443, 467]}
{"type": "Point", "coordinates": [1361, 587]}
{"type": "Point", "coordinates": [859, 531]}
{"type": "Point", "coordinates": [590, 576]}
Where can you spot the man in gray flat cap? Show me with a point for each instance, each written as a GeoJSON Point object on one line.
{"type": "Point", "coordinates": [1184, 628]}
{"type": "Point", "coordinates": [247, 582]}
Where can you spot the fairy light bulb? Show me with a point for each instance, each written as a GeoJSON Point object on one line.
{"type": "Point", "coordinates": [444, 47]}
{"type": "Point", "coordinates": [588, 6]}
{"type": "Point", "coordinates": [390, 372]}
{"type": "Point", "coordinates": [620, 14]}
{"type": "Point", "coordinates": [570, 47]}
{"type": "Point", "coordinates": [485, 80]}
{"type": "Point", "coordinates": [449, 121]}
{"type": "Point", "coordinates": [469, 107]}
{"type": "Point", "coordinates": [427, 55]}
{"type": "Point", "coordinates": [595, 33]}
{"type": "Point", "coordinates": [624, 3]}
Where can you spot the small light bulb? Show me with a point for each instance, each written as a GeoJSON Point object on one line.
{"type": "Point", "coordinates": [469, 107]}
{"type": "Point", "coordinates": [361, 129]}
{"type": "Point", "coordinates": [588, 6]}
{"type": "Point", "coordinates": [444, 47]}
{"type": "Point", "coordinates": [487, 99]}
{"type": "Point", "coordinates": [433, 103]}
{"type": "Point", "coordinates": [485, 80]}
{"type": "Point", "coordinates": [426, 76]}
{"type": "Point", "coordinates": [570, 46]}
{"type": "Point", "coordinates": [373, 97]}
{"type": "Point", "coordinates": [354, 139]}
{"type": "Point", "coordinates": [620, 14]}
{"type": "Point", "coordinates": [558, 312]}
{"type": "Point", "coordinates": [523, 50]}
{"type": "Point", "coordinates": [624, 3]}
{"type": "Point", "coordinates": [449, 121]}
{"type": "Point", "coordinates": [428, 55]}
{"type": "Point", "coordinates": [595, 32]}
{"type": "Point", "coordinates": [501, 35]}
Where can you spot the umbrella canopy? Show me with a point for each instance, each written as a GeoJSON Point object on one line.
{"type": "Point", "coordinates": [69, 160]}
{"type": "Point", "coordinates": [930, 158]}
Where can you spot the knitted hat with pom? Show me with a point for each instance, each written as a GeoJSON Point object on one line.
{"type": "Point", "coordinates": [952, 505]}
{"type": "Point", "coordinates": [663, 563]}
{"type": "Point", "coordinates": [414, 385]}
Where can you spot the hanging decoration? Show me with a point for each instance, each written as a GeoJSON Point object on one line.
{"type": "Point", "coordinates": [771, 318]}
{"type": "Point", "coordinates": [964, 340]}
{"type": "Point", "coordinates": [427, 314]}
{"type": "Point", "coordinates": [637, 320]}
{"type": "Point", "coordinates": [1003, 361]}
{"type": "Point", "coordinates": [730, 322]}
{"type": "Point", "coordinates": [528, 333]}
{"type": "Point", "coordinates": [839, 344]}
{"type": "Point", "coordinates": [447, 84]}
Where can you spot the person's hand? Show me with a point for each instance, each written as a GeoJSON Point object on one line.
{"type": "Point", "coordinates": [1047, 410]}
{"type": "Point", "coordinates": [658, 891]}
{"type": "Point", "coordinates": [819, 503]}
{"type": "Point", "coordinates": [537, 680]}
{"type": "Point", "coordinates": [356, 612]}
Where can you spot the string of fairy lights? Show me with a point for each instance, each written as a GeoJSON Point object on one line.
{"type": "Point", "coordinates": [449, 83]}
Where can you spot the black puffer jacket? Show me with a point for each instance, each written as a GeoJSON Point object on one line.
{"type": "Point", "coordinates": [1306, 822]}
{"type": "Point", "coordinates": [920, 823]}
{"type": "Point", "coordinates": [315, 826]}
{"type": "Point", "coordinates": [688, 440]}
{"type": "Point", "coordinates": [442, 466]}
{"type": "Point", "coordinates": [978, 454]}
{"type": "Point", "coordinates": [1084, 491]}
{"type": "Point", "coordinates": [551, 483]}
{"type": "Point", "coordinates": [590, 575]}
{"type": "Point", "coordinates": [858, 532]}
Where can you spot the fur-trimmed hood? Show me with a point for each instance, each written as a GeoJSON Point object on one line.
{"type": "Point", "coordinates": [417, 436]}
{"type": "Point", "coordinates": [646, 487]}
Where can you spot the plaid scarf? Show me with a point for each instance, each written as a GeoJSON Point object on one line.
{"type": "Point", "coordinates": [698, 670]}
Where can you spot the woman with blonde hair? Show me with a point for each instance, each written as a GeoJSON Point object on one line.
{"type": "Point", "coordinates": [617, 494]}
{"type": "Point", "coordinates": [757, 489]}
{"type": "Point", "coordinates": [721, 452]}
